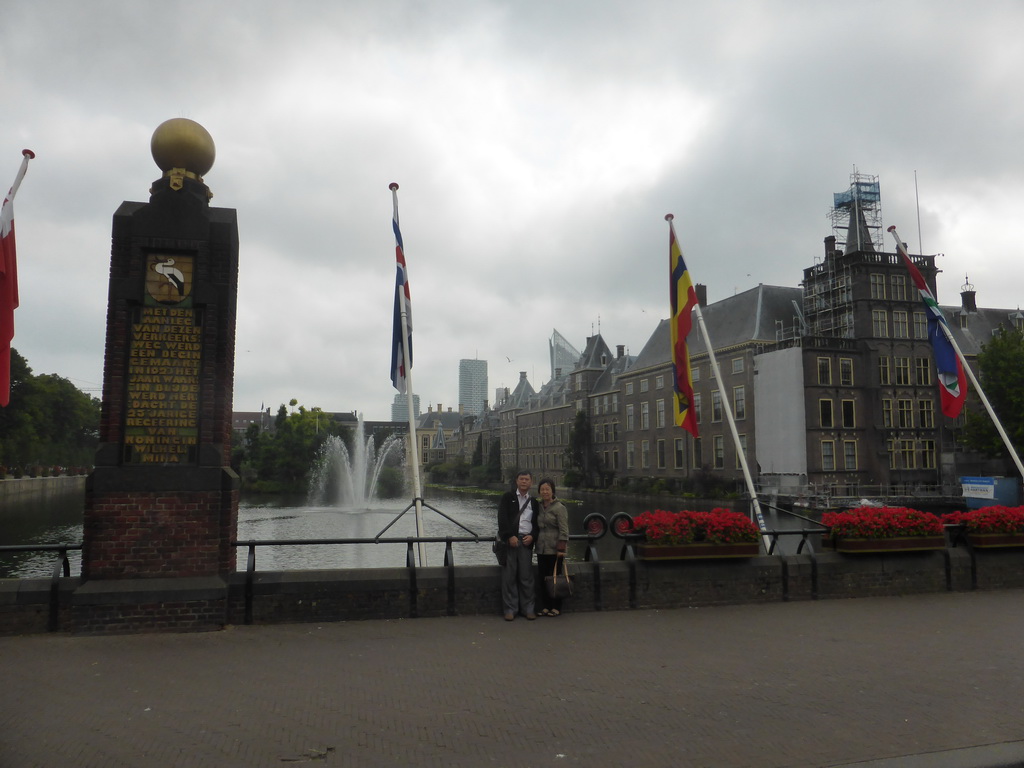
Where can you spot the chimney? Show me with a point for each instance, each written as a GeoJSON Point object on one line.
{"type": "Point", "coordinates": [830, 245]}
{"type": "Point", "coordinates": [522, 375]}
{"type": "Point", "coordinates": [620, 350]}
{"type": "Point", "coordinates": [702, 294]}
{"type": "Point", "coordinates": [967, 297]}
{"type": "Point", "coordinates": [439, 408]}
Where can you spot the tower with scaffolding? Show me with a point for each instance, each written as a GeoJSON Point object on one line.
{"type": "Point", "coordinates": [856, 217]}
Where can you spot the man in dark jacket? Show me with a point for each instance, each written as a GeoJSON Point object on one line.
{"type": "Point", "coordinates": [517, 527]}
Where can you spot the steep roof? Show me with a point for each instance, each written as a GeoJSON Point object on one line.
{"type": "Point", "coordinates": [596, 355]}
{"type": "Point", "coordinates": [745, 317]}
{"type": "Point", "coordinates": [520, 396]}
{"type": "Point", "coordinates": [981, 324]}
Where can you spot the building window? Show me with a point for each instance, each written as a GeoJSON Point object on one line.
{"type": "Point", "coordinates": [920, 325]}
{"type": "Point", "coordinates": [825, 420]}
{"type": "Point", "coordinates": [645, 415]}
{"type": "Point", "coordinates": [849, 414]}
{"type": "Point", "coordinates": [879, 323]}
{"type": "Point", "coordinates": [742, 452]}
{"type": "Point", "coordinates": [716, 406]}
{"type": "Point", "coordinates": [643, 386]}
{"type": "Point", "coordinates": [696, 407]}
{"type": "Point", "coordinates": [923, 370]}
{"type": "Point", "coordinates": [877, 285]}
{"type": "Point", "coordinates": [698, 453]}
{"type": "Point", "coordinates": [828, 456]}
{"type": "Point", "coordinates": [737, 365]}
{"type": "Point", "coordinates": [845, 372]}
{"type": "Point", "coordinates": [927, 454]}
{"type": "Point", "coordinates": [659, 410]}
{"type": "Point", "coordinates": [629, 387]}
{"type": "Point", "coordinates": [963, 320]}
{"type": "Point", "coordinates": [630, 455]}
{"type": "Point", "coordinates": [659, 382]}
{"type": "Point", "coordinates": [615, 459]}
{"type": "Point", "coordinates": [719, 444]}
{"type": "Point", "coordinates": [629, 417]}
{"type": "Point", "coordinates": [825, 371]}
{"type": "Point", "coordinates": [678, 450]}
{"type": "Point", "coordinates": [887, 413]}
{"type": "Point", "coordinates": [907, 454]}
{"type": "Point", "coordinates": [695, 373]}
{"type": "Point", "coordinates": [661, 454]}
{"type": "Point", "coordinates": [906, 413]}
{"type": "Point", "coordinates": [615, 402]}
{"type": "Point", "coordinates": [850, 455]}
{"type": "Point", "coordinates": [739, 402]}
{"type": "Point", "coordinates": [645, 454]}
{"type": "Point", "coordinates": [926, 414]}
{"type": "Point", "coordinates": [902, 371]}
{"type": "Point", "coordinates": [884, 372]}
{"type": "Point", "coordinates": [900, 325]}
{"type": "Point", "coordinates": [890, 447]}
{"type": "Point", "coordinates": [899, 287]}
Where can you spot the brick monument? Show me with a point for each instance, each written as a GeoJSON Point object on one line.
{"type": "Point", "coordinates": [162, 502]}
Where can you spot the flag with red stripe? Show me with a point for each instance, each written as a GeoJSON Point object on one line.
{"type": "Point", "coordinates": [683, 299]}
{"type": "Point", "coordinates": [950, 371]}
{"type": "Point", "coordinates": [9, 280]}
{"type": "Point", "coordinates": [401, 341]}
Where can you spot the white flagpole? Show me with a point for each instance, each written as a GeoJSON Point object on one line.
{"type": "Point", "coordinates": [970, 374]}
{"type": "Point", "coordinates": [413, 444]}
{"type": "Point", "coordinates": [27, 154]}
{"type": "Point", "coordinates": [755, 505]}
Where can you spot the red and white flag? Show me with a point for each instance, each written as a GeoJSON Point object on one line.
{"type": "Point", "coordinates": [9, 280]}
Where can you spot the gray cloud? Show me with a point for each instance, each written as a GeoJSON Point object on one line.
{"type": "Point", "coordinates": [537, 145]}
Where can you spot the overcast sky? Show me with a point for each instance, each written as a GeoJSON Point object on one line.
{"type": "Point", "coordinates": [538, 146]}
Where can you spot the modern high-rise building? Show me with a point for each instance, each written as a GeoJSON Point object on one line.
{"type": "Point", "coordinates": [473, 386]}
{"type": "Point", "coordinates": [400, 407]}
{"type": "Point", "coordinates": [564, 356]}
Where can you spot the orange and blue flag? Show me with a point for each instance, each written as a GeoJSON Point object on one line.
{"type": "Point", "coordinates": [684, 299]}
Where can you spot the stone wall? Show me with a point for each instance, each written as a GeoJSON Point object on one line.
{"type": "Point", "coordinates": [272, 597]}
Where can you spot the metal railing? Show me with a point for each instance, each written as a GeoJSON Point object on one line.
{"type": "Point", "coordinates": [595, 527]}
{"type": "Point", "coordinates": [62, 566]}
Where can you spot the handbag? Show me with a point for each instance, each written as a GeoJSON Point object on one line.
{"type": "Point", "coordinates": [559, 588]}
{"type": "Point", "coordinates": [500, 550]}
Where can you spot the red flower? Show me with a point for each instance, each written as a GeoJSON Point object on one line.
{"type": "Point", "coordinates": [719, 526]}
{"type": "Point", "coordinates": [882, 523]}
{"type": "Point", "coordinates": [995, 519]}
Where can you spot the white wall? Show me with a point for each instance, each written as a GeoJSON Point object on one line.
{"type": "Point", "coordinates": [780, 429]}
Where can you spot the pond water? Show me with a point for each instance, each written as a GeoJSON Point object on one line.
{"type": "Point", "coordinates": [59, 521]}
{"type": "Point", "coordinates": [279, 518]}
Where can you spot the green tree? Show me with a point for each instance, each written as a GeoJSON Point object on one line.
{"type": "Point", "coordinates": [1000, 363]}
{"type": "Point", "coordinates": [580, 458]}
{"type": "Point", "coordinates": [281, 460]}
{"type": "Point", "coordinates": [48, 421]}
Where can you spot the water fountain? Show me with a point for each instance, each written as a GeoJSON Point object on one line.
{"type": "Point", "coordinates": [345, 480]}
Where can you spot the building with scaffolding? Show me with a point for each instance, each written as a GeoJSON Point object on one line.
{"type": "Point", "coordinates": [831, 384]}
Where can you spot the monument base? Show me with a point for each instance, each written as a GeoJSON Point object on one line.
{"type": "Point", "coordinates": [149, 605]}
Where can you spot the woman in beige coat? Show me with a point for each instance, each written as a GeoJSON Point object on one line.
{"type": "Point", "coordinates": [552, 542]}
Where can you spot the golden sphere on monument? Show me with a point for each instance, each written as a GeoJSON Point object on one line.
{"type": "Point", "coordinates": [183, 143]}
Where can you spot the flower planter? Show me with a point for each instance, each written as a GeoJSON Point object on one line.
{"type": "Point", "coordinates": [993, 540]}
{"type": "Point", "coordinates": [701, 550]}
{"type": "Point", "coordinates": [852, 545]}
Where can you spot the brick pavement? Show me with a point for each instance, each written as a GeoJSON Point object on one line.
{"type": "Point", "coordinates": [822, 683]}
